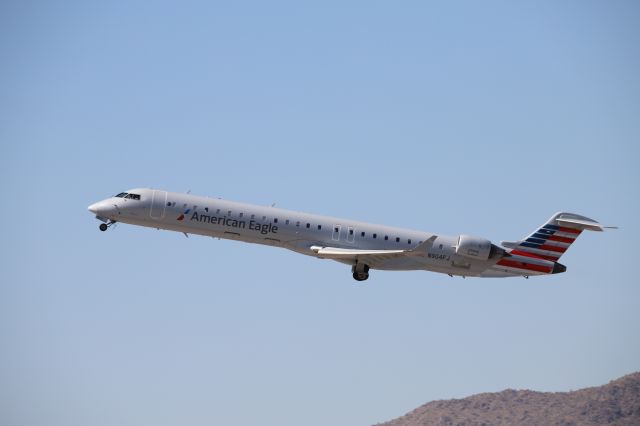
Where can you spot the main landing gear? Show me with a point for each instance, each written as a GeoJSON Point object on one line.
{"type": "Point", "coordinates": [360, 271]}
{"type": "Point", "coordinates": [104, 226]}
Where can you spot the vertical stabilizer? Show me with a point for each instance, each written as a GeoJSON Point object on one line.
{"type": "Point", "coordinates": [552, 239]}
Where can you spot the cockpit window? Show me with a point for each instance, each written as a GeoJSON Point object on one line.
{"type": "Point", "coordinates": [128, 195]}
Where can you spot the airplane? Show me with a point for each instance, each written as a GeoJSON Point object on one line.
{"type": "Point", "coordinates": [363, 246]}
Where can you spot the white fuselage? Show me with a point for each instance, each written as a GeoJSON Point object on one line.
{"type": "Point", "coordinates": [300, 232]}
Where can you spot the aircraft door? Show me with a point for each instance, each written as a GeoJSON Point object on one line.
{"type": "Point", "coordinates": [336, 233]}
{"type": "Point", "coordinates": [351, 234]}
{"type": "Point", "coordinates": [158, 204]}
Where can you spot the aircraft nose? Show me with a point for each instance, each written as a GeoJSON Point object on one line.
{"type": "Point", "coordinates": [104, 208]}
{"type": "Point", "coordinates": [93, 208]}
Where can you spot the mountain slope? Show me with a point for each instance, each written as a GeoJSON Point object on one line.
{"type": "Point", "coordinates": [616, 403]}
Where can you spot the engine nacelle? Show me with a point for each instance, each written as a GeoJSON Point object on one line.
{"type": "Point", "coordinates": [475, 248]}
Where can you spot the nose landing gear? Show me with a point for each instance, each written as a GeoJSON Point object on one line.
{"type": "Point", "coordinates": [104, 226]}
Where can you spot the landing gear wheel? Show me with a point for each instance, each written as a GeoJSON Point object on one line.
{"type": "Point", "coordinates": [358, 276]}
{"type": "Point", "coordinates": [360, 271]}
{"type": "Point", "coordinates": [104, 226]}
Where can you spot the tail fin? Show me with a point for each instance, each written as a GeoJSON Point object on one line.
{"type": "Point", "coordinates": [553, 238]}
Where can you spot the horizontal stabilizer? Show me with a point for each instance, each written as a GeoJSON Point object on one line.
{"type": "Point", "coordinates": [582, 224]}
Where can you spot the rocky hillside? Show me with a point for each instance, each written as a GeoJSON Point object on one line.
{"type": "Point", "coordinates": [617, 403]}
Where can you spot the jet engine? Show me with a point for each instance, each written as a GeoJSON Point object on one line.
{"type": "Point", "coordinates": [477, 248]}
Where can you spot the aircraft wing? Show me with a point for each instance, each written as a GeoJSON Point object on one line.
{"type": "Point", "coordinates": [371, 256]}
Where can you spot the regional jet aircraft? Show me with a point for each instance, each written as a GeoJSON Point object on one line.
{"type": "Point", "coordinates": [363, 246]}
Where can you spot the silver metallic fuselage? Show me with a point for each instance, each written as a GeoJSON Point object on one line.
{"type": "Point", "coordinates": [297, 231]}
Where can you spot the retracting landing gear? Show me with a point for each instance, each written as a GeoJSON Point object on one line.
{"type": "Point", "coordinates": [104, 226]}
{"type": "Point", "coordinates": [360, 271]}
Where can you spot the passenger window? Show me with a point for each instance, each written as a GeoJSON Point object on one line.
{"type": "Point", "coordinates": [362, 234]}
{"type": "Point", "coordinates": [375, 235]}
{"type": "Point", "coordinates": [350, 231]}
{"type": "Point", "coordinates": [218, 211]}
{"type": "Point", "coordinates": [275, 220]}
{"type": "Point", "coordinates": [286, 222]}
{"type": "Point", "coordinates": [308, 225]}
{"type": "Point", "coordinates": [335, 229]}
{"type": "Point", "coordinates": [408, 241]}
{"type": "Point", "coordinates": [319, 227]}
{"type": "Point", "coordinates": [253, 216]}
{"type": "Point", "coordinates": [386, 237]}
{"type": "Point", "coordinates": [298, 223]}
{"type": "Point", "coordinates": [241, 214]}
{"type": "Point", "coordinates": [397, 239]}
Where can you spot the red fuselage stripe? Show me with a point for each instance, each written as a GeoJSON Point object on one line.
{"type": "Point", "coordinates": [523, 265]}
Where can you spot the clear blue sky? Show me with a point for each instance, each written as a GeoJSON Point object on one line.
{"type": "Point", "coordinates": [469, 117]}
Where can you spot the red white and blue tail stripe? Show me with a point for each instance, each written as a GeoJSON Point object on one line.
{"type": "Point", "coordinates": [549, 242]}
{"type": "Point", "coordinates": [539, 252]}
